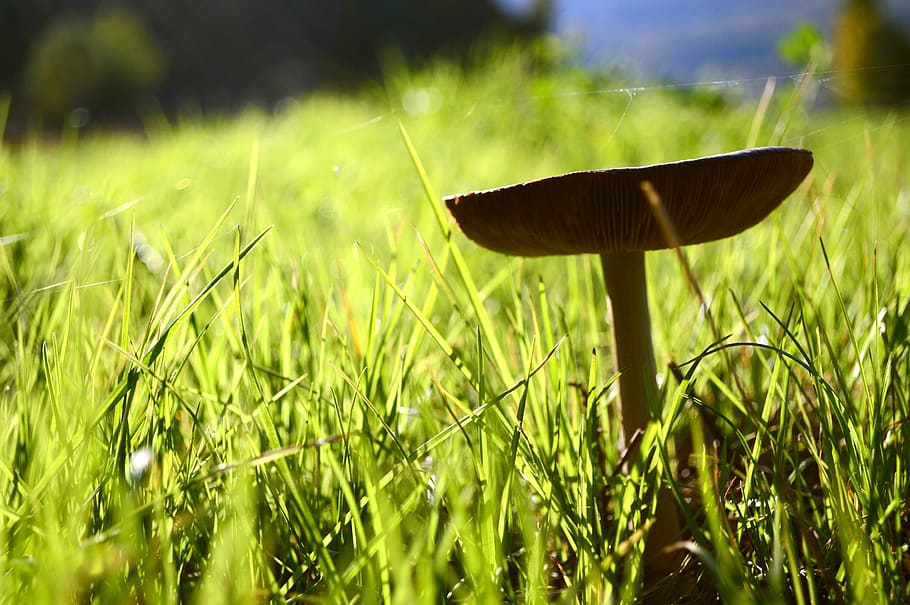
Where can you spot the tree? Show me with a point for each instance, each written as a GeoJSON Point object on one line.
{"type": "Point", "coordinates": [871, 55]}
{"type": "Point", "coordinates": [233, 51]}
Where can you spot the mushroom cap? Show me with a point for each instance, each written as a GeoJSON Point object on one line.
{"type": "Point", "coordinates": [598, 211]}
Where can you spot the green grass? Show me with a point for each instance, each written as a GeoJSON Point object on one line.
{"type": "Point", "coordinates": [344, 400]}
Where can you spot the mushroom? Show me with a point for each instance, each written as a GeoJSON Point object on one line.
{"type": "Point", "coordinates": [607, 212]}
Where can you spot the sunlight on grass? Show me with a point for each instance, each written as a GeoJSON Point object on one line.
{"type": "Point", "coordinates": [250, 360]}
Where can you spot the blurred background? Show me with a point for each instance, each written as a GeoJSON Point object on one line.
{"type": "Point", "coordinates": [102, 62]}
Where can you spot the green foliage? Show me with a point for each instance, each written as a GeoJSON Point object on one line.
{"type": "Point", "coordinates": [108, 63]}
{"type": "Point", "coordinates": [805, 46]}
{"type": "Point", "coordinates": [257, 363]}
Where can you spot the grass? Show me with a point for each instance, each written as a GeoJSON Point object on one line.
{"type": "Point", "coordinates": [250, 360]}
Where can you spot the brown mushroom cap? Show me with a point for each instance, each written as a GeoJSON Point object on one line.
{"type": "Point", "coordinates": [599, 211]}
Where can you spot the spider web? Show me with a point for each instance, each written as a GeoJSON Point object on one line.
{"type": "Point", "coordinates": [819, 92]}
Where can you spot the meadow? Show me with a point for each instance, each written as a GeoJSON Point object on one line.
{"type": "Point", "coordinates": [251, 359]}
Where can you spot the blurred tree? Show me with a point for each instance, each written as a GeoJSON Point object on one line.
{"type": "Point", "coordinates": [871, 54]}
{"type": "Point", "coordinates": [233, 51]}
{"type": "Point", "coordinates": [61, 74]}
{"type": "Point", "coordinates": [107, 63]}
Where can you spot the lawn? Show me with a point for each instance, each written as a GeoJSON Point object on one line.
{"type": "Point", "coordinates": [251, 359]}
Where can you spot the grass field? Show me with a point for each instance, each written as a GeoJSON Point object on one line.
{"type": "Point", "coordinates": [252, 360]}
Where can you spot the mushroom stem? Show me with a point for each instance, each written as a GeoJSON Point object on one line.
{"type": "Point", "coordinates": [627, 290]}
{"type": "Point", "coordinates": [624, 274]}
